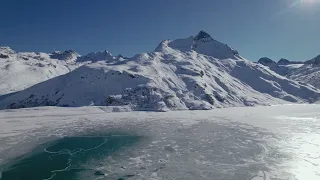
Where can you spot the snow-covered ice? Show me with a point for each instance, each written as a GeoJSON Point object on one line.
{"type": "Point", "coordinates": [257, 143]}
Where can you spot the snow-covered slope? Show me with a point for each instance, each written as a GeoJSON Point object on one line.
{"type": "Point", "coordinates": [96, 56]}
{"type": "Point", "coordinates": [69, 55]}
{"type": "Point", "coordinates": [19, 71]}
{"type": "Point", "coordinates": [173, 77]}
{"type": "Point", "coordinates": [283, 67]}
{"type": "Point", "coordinates": [306, 72]}
{"type": "Point", "coordinates": [203, 43]}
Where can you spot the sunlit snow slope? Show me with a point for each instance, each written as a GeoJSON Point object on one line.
{"type": "Point", "coordinates": [306, 72]}
{"type": "Point", "coordinates": [194, 73]}
{"type": "Point", "coordinates": [19, 71]}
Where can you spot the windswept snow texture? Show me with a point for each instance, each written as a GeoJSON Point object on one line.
{"type": "Point", "coordinates": [19, 71]}
{"type": "Point", "coordinates": [258, 143]}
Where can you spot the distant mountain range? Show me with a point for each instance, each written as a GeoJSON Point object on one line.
{"type": "Point", "coordinates": [304, 71]}
{"type": "Point", "coordinates": [198, 72]}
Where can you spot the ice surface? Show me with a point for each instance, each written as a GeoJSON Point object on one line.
{"type": "Point", "coordinates": [275, 142]}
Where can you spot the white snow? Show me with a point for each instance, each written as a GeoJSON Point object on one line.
{"type": "Point", "coordinates": [203, 43]}
{"type": "Point", "coordinates": [22, 70]}
{"type": "Point", "coordinates": [260, 143]}
{"type": "Point", "coordinates": [304, 73]}
{"type": "Point", "coordinates": [307, 72]}
{"type": "Point", "coordinates": [275, 141]}
{"type": "Point", "coordinates": [193, 73]}
{"type": "Point", "coordinates": [96, 56]}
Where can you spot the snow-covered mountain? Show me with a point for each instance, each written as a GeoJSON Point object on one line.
{"type": "Point", "coordinates": [203, 43]}
{"type": "Point", "coordinates": [193, 73]}
{"type": "Point", "coordinates": [267, 62]}
{"type": "Point", "coordinates": [69, 55]}
{"type": "Point", "coordinates": [96, 56]}
{"type": "Point", "coordinates": [283, 67]}
{"type": "Point", "coordinates": [314, 62]}
{"type": "Point", "coordinates": [306, 72]}
{"type": "Point", "coordinates": [19, 71]}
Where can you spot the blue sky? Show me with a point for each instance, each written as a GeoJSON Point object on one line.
{"type": "Point", "coordinates": [256, 28]}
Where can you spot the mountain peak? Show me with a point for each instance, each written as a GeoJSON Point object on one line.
{"type": "Point", "coordinates": [96, 56]}
{"type": "Point", "coordinates": [266, 61]}
{"type": "Point", "coordinates": [6, 50]}
{"type": "Point", "coordinates": [203, 43]}
{"type": "Point", "coordinates": [317, 58]}
{"type": "Point", "coordinates": [315, 61]}
{"type": "Point", "coordinates": [68, 55]}
{"type": "Point", "coordinates": [283, 61]}
{"type": "Point", "coordinates": [202, 35]}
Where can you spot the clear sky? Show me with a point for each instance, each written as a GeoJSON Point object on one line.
{"type": "Point", "coordinates": [256, 28]}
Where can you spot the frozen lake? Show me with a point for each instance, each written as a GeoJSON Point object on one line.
{"type": "Point", "coordinates": [259, 143]}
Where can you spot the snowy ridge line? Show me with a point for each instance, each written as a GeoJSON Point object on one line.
{"type": "Point", "coordinates": [21, 70]}
{"type": "Point", "coordinates": [307, 72]}
{"type": "Point", "coordinates": [196, 73]}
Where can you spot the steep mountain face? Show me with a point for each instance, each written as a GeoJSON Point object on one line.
{"type": "Point", "coordinates": [180, 74]}
{"type": "Point", "coordinates": [19, 71]}
{"type": "Point", "coordinates": [202, 43]}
